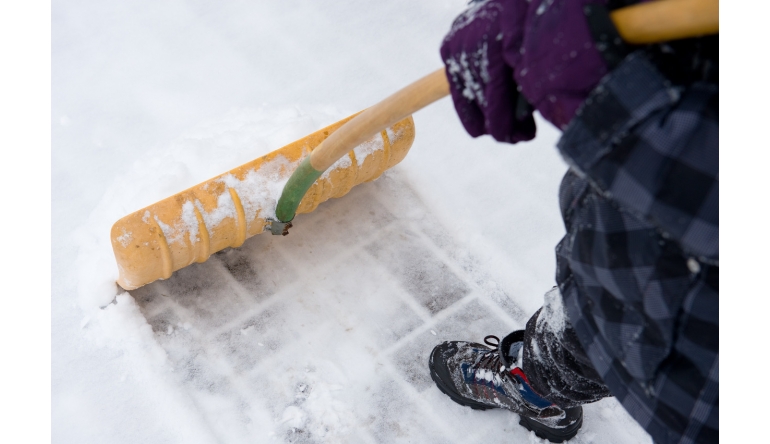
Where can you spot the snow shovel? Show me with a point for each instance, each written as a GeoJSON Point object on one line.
{"type": "Point", "coordinates": [223, 212]}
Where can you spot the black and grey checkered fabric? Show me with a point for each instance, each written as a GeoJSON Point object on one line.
{"type": "Point", "coordinates": [638, 268]}
{"type": "Point", "coordinates": [653, 147]}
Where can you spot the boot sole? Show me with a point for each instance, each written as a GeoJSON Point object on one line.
{"type": "Point", "coordinates": [553, 435]}
{"type": "Point", "coordinates": [540, 430]}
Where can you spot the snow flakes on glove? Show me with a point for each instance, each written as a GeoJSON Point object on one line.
{"type": "Point", "coordinates": [481, 82]}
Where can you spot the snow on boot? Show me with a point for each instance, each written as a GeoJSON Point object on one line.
{"type": "Point", "coordinates": [482, 378]}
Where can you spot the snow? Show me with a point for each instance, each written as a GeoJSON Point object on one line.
{"type": "Point", "coordinates": [368, 148]}
{"type": "Point", "coordinates": [554, 311]}
{"type": "Point", "coordinates": [473, 91]}
{"type": "Point", "coordinates": [319, 336]}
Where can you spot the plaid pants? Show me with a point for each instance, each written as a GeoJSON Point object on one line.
{"type": "Point", "coordinates": [636, 312]}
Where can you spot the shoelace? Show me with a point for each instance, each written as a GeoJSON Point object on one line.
{"type": "Point", "coordinates": [488, 365]}
{"type": "Point", "coordinates": [492, 359]}
{"type": "Point", "coordinates": [490, 343]}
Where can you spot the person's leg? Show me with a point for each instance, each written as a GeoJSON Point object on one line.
{"type": "Point", "coordinates": [541, 373]}
{"type": "Point", "coordinates": [555, 362]}
{"type": "Point", "coordinates": [646, 314]}
{"type": "Point", "coordinates": [644, 325]}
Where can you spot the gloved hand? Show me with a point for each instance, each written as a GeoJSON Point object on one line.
{"type": "Point", "coordinates": [498, 50]}
{"type": "Point", "coordinates": [480, 80]}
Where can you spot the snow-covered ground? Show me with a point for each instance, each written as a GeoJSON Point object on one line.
{"type": "Point", "coordinates": [320, 336]}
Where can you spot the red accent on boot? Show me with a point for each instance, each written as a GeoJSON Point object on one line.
{"type": "Point", "coordinates": [517, 372]}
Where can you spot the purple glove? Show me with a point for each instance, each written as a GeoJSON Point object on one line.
{"type": "Point", "coordinates": [498, 49]}
{"type": "Point", "coordinates": [481, 82]}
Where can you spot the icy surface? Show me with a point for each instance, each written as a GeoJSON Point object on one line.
{"type": "Point", "coordinates": [320, 336]}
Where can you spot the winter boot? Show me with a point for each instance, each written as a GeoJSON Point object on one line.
{"type": "Point", "coordinates": [481, 378]}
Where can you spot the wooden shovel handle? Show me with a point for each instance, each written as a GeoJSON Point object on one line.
{"type": "Point", "coordinates": [371, 121]}
{"type": "Point", "coordinates": [665, 20]}
{"type": "Point", "coordinates": [651, 22]}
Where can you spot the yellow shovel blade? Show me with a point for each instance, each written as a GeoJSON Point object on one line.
{"type": "Point", "coordinates": [224, 211]}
